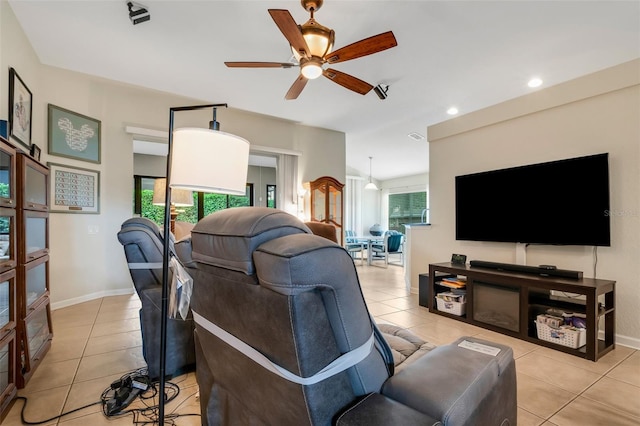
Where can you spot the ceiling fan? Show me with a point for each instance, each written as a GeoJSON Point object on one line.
{"type": "Point", "coordinates": [311, 45]}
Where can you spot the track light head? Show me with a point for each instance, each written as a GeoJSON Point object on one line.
{"type": "Point", "coordinates": [381, 90]}
{"type": "Point", "coordinates": [138, 13]}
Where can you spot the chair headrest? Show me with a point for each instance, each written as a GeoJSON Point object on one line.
{"type": "Point", "coordinates": [228, 238]}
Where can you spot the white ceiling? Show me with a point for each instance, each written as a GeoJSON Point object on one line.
{"type": "Point", "coordinates": [469, 54]}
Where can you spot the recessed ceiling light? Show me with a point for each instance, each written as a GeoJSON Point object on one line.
{"type": "Point", "coordinates": [534, 82]}
{"type": "Point", "coordinates": [452, 111]}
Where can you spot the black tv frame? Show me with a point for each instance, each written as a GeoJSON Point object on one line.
{"type": "Point", "coordinates": [563, 202]}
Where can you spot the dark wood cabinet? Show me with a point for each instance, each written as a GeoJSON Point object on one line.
{"type": "Point", "coordinates": [8, 276]}
{"type": "Point", "coordinates": [509, 303]}
{"type": "Point", "coordinates": [34, 330]}
{"type": "Point", "coordinates": [327, 204]}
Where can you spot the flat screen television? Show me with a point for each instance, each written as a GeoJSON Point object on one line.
{"type": "Point", "coordinates": [563, 202]}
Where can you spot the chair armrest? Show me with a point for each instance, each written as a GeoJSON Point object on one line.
{"type": "Point", "coordinates": [459, 385]}
{"type": "Point", "coordinates": [378, 410]}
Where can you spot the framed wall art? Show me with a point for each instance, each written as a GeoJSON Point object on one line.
{"type": "Point", "coordinates": [35, 152]}
{"type": "Point", "coordinates": [73, 135]}
{"type": "Point", "coordinates": [20, 110]}
{"type": "Point", "coordinates": [74, 189]}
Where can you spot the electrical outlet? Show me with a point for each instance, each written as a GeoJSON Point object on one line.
{"type": "Point", "coordinates": [93, 229]}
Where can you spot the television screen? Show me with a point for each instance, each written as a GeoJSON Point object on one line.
{"type": "Point", "coordinates": [563, 202]}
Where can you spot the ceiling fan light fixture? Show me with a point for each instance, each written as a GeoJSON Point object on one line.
{"type": "Point", "coordinates": [311, 70]}
{"type": "Point", "coordinates": [319, 39]}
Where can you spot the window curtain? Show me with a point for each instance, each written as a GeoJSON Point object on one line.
{"type": "Point", "coordinates": [353, 205]}
{"type": "Point", "coordinates": [287, 181]}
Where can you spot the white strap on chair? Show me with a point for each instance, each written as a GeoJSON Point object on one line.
{"type": "Point", "coordinates": [338, 365]}
{"type": "Point", "coordinates": [145, 265]}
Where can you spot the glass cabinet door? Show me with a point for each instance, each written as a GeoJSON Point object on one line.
{"type": "Point", "coordinates": [326, 203]}
{"type": "Point", "coordinates": [319, 201]}
{"type": "Point", "coordinates": [7, 301]}
{"type": "Point", "coordinates": [7, 370]}
{"type": "Point", "coordinates": [36, 233]}
{"type": "Point", "coordinates": [37, 331]}
{"type": "Point", "coordinates": [7, 174]}
{"type": "Point", "coordinates": [7, 239]}
{"type": "Point", "coordinates": [36, 280]}
{"type": "Point", "coordinates": [34, 184]}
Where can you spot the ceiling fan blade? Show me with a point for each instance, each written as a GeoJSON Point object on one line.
{"type": "Point", "coordinates": [348, 81]}
{"type": "Point", "coordinates": [364, 47]}
{"type": "Point", "coordinates": [290, 30]}
{"type": "Point", "coordinates": [259, 64]}
{"type": "Point", "coordinates": [296, 88]}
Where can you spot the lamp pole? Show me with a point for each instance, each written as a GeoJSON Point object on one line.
{"type": "Point", "coordinates": [166, 252]}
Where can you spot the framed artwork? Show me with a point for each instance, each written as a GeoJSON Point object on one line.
{"type": "Point", "coordinates": [74, 189]}
{"type": "Point", "coordinates": [73, 135]}
{"type": "Point", "coordinates": [20, 110]}
{"type": "Point", "coordinates": [35, 152]}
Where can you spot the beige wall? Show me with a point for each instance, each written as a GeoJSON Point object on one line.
{"type": "Point", "coordinates": [84, 265]}
{"type": "Point", "coordinates": [592, 114]}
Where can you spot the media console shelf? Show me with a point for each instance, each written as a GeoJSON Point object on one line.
{"type": "Point", "coordinates": [509, 302]}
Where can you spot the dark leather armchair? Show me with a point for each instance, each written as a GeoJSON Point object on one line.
{"type": "Point", "coordinates": [283, 337]}
{"type": "Point", "coordinates": [143, 248]}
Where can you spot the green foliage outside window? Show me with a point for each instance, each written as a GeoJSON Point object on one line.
{"type": "Point", "coordinates": [212, 203]}
{"type": "Point", "coordinates": [4, 190]}
{"type": "Point", "coordinates": [156, 213]}
{"type": "Point", "coordinates": [4, 225]}
{"type": "Point", "coordinates": [406, 208]}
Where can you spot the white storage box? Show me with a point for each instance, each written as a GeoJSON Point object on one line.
{"type": "Point", "coordinates": [454, 308]}
{"type": "Point", "coordinates": [573, 338]}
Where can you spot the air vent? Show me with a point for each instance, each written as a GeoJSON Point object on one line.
{"type": "Point", "coordinates": [416, 136]}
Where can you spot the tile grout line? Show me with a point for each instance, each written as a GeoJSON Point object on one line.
{"type": "Point", "coordinates": [73, 380]}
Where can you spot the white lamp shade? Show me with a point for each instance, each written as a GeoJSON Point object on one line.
{"type": "Point", "coordinates": [179, 197]}
{"type": "Point", "coordinates": [209, 161]}
{"type": "Point", "coordinates": [371, 185]}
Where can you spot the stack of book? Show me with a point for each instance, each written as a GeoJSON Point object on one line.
{"type": "Point", "coordinates": [454, 282]}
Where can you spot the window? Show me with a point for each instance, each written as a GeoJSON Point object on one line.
{"type": "Point", "coordinates": [271, 196]}
{"type": "Point", "coordinates": [203, 203]}
{"type": "Point", "coordinates": [406, 208]}
{"type": "Point", "coordinates": [211, 202]}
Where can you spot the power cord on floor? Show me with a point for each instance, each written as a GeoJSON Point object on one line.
{"type": "Point", "coordinates": [137, 385]}
{"type": "Point", "coordinates": [52, 418]}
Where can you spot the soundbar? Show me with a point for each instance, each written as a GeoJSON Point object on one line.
{"type": "Point", "coordinates": [545, 271]}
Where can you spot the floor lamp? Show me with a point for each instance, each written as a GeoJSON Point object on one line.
{"type": "Point", "coordinates": [205, 160]}
{"type": "Point", "coordinates": [179, 198]}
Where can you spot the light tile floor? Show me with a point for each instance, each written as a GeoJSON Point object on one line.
{"type": "Point", "coordinates": [98, 341]}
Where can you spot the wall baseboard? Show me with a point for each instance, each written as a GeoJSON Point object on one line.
{"type": "Point", "coordinates": [630, 342]}
{"type": "Point", "coordinates": [88, 297]}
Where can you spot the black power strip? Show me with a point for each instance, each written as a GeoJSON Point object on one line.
{"type": "Point", "coordinates": [126, 390]}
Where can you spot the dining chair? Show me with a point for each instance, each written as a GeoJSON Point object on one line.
{"type": "Point", "coordinates": [393, 244]}
{"type": "Point", "coordinates": [353, 245]}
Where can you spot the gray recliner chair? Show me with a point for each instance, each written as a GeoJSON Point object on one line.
{"type": "Point", "coordinates": [283, 337]}
{"type": "Point", "coordinates": [143, 248]}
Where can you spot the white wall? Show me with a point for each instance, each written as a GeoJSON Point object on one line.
{"type": "Point", "coordinates": [592, 114]}
{"type": "Point", "coordinates": [83, 265]}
